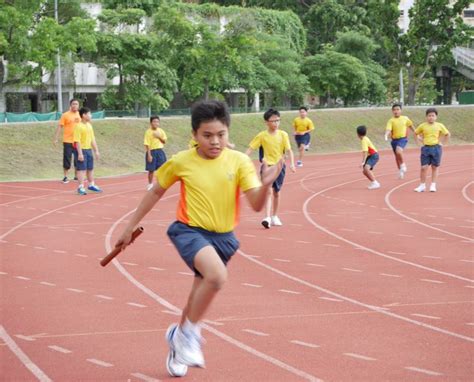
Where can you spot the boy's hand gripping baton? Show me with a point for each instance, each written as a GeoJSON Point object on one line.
{"type": "Point", "coordinates": [107, 259]}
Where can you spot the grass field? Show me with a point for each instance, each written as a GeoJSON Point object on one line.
{"type": "Point", "coordinates": [27, 152]}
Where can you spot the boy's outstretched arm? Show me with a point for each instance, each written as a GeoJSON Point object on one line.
{"type": "Point", "coordinates": [258, 196]}
{"type": "Point", "coordinates": [148, 202]}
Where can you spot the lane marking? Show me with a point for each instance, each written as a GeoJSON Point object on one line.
{"type": "Point", "coordinates": [104, 297]}
{"type": "Point", "coordinates": [332, 245]}
{"type": "Point", "coordinates": [22, 278]}
{"type": "Point", "coordinates": [305, 344]}
{"type": "Point", "coordinates": [144, 377]}
{"type": "Point", "coordinates": [352, 270]}
{"type": "Point", "coordinates": [303, 242]}
{"type": "Point", "coordinates": [24, 359]}
{"type": "Point", "coordinates": [47, 283]}
{"type": "Point", "coordinates": [156, 269]}
{"type": "Point", "coordinates": [99, 362]}
{"type": "Point", "coordinates": [26, 338]}
{"type": "Point", "coordinates": [75, 290]}
{"type": "Point", "coordinates": [396, 253]}
{"type": "Point", "coordinates": [252, 285]}
{"type": "Point", "coordinates": [424, 371]}
{"type": "Point", "coordinates": [288, 291]}
{"type": "Point", "coordinates": [315, 265]}
{"type": "Point", "coordinates": [261, 334]}
{"type": "Point", "coordinates": [425, 316]}
{"type": "Point", "coordinates": [464, 192]}
{"type": "Point", "coordinates": [331, 299]}
{"type": "Point", "coordinates": [59, 349]}
{"type": "Point", "coordinates": [136, 305]}
{"type": "Point", "coordinates": [433, 257]}
{"type": "Point", "coordinates": [283, 260]}
{"type": "Point", "coordinates": [432, 281]}
{"type": "Point", "coordinates": [359, 356]}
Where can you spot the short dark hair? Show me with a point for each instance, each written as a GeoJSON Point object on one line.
{"type": "Point", "coordinates": [154, 117]}
{"type": "Point", "coordinates": [396, 105]}
{"type": "Point", "coordinates": [361, 130]}
{"type": "Point", "coordinates": [431, 110]}
{"type": "Point", "coordinates": [206, 111]}
{"type": "Point", "coordinates": [84, 110]}
{"type": "Point", "coordinates": [72, 100]}
{"type": "Point", "coordinates": [303, 108]}
{"type": "Point", "coordinates": [269, 113]}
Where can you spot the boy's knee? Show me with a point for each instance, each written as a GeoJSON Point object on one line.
{"type": "Point", "coordinates": [217, 280]}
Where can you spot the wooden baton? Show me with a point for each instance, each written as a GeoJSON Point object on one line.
{"type": "Point", "coordinates": [107, 259]}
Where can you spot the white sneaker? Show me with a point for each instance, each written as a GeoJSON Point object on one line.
{"type": "Point", "coordinates": [433, 187]}
{"type": "Point", "coordinates": [374, 185]}
{"type": "Point", "coordinates": [175, 369]}
{"type": "Point", "coordinates": [299, 163]}
{"type": "Point", "coordinates": [401, 174]}
{"type": "Point", "coordinates": [276, 221]}
{"type": "Point", "coordinates": [149, 187]}
{"type": "Point", "coordinates": [420, 188]}
{"type": "Point", "coordinates": [403, 167]}
{"type": "Point", "coordinates": [186, 347]}
{"type": "Point", "coordinates": [267, 222]}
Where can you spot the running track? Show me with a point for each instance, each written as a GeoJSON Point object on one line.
{"type": "Point", "coordinates": [357, 285]}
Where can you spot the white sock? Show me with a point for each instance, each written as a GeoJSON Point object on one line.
{"type": "Point", "coordinates": [189, 327]}
{"type": "Point", "coordinates": [422, 184]}
{"type": "Point", "coordinates": [433, 184]}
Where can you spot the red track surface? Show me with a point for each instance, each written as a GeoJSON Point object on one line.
{"type": "Point", "coordinates": [357, 285]}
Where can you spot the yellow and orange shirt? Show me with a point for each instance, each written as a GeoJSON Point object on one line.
{"type": "Point", "coordinates": [368, 146]}
{"type": "Point", "coordinates": [431, 132]}
{"type": "Point", "coordinates": [68, 120]}
{"type": "Point", "coordinates": [398, 126]}
{"type": "Point", "coordinates": [302, 125]}
{"type": "Point", "coordinates": [274, 145]}
{"type": "Point", "coordinates": [210, 188]}
{"type": "Point", "coordinates": [84, 134]}
{"type": "Point", "coordinates": [153, 142]}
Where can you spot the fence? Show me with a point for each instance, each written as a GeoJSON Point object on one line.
{"type": "Point", "coordinates": [39, 117]}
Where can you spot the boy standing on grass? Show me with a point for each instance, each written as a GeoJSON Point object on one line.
{"type": "Point", "coordinates": [211, 178]}
{"type": "Point", "coordinates": [370, 157]}
{"type": "Point", "coordinates": [432, 150]}
{"type": "Point", "coordinates": [84, 143]}
{"type": "Point", "coordinates": [154, 141]}
{"type": "Point", "coordinates": [397, 128]}
{"type": "Point", "coordinates": [275, 144]}
{"type": "Point", "coordinates": [303, 127]}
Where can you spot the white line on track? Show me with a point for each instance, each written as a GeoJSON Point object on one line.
{"type": "Point", "coordinates": [331, 299]}
{"type": "Point", "coordinates": [156, 269]}
{"type": "Point", "coordinates": [257, 333]}
{"type": "Point", "coordinates": [59, 349]}
{"type": "Point", "coordinates": [144, 377]}
{"type": "Point", "coordinates": [252, 285]}
{"type": "Point", "coordinates": [47, 283]}
{"type": "Point", "coordinates": [288, 291]}
{"type": "Point", "coordinates": [389, 275]}
{"type": "Point", "coordinates": [99, 362]}
{"type": "Point", "coordinates": [352, 270]}
{"type": "Point", "coordinates": [396, 253]}
{"type": "Point", "coordinates": [464, 192]}
{"type": "Point", "coordinates": [136, 305]}
{"type": "Point", "coordinates": [423, 371]}
{"type": "Point", "coordinates": [359, 356]}
{"type": "Point", "coordinates": [75, 290]}
{"type": "Point", "coordinates": [104, 297]}
{"type": "Point", "coordinates": [425, 316]}
{"type": "Point", "coordinates": [315, 265]}
{"type": "Point", "coordinates": [305, 344]}
{"type": "Point", "coordinates": [24, 359]}
{"type": "Point", "coordinates": [432, 281]}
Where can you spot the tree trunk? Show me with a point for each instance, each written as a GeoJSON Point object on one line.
{"type": "Point", "coordinates": [412, 85]}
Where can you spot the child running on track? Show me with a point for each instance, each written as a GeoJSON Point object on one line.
{"type": "Point", "coordinates": [154, 141]}
{"type": "Point", "coordinates": [275, 144]}
{"type": "Point", "coordinates": [303, 127]}
{"type": "Point", "coordinates": [432, 149]}
{"type": "Point", "coordinates": [211, 178]}
{"type": "Point", "coordinates": [397, 128]}
{"type": "Point", "coordinates": [370, 157]}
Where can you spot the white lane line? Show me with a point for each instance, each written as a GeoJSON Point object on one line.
{"type": "Point", "coordinates": [466, 226]}
{"type": "Point", "coordinates": [438, 224]}
{"type": "Point", "coordinates": [252, 285]}
{"type": "Point", "coordinates": [144, 377]}
{"type": "Point", "coordinates": [75, 290]}
{"type": "Point", "coordinates": [171, 312]}
{"type": "Point", "coordinates": [425, 316]}
{"type": "Point", "coordinates": [305, 344]}
{"type": "Point", "coordinates": [389, 275]}
{"type": "Point", "coordinates": [303, 242]}
{"type": "Point", "coordinates": [464, 192]}
{"type": "Point", "coordinates": [432, 281]}
{"type": "Point", "coordinates": [261, 334]}
{"type": "Point", "coordinates": [47, 283]}
{"type": "Point", "coordinates": [396, 253]}
{"type": "Point", "coordinates": [89, 233]}
{"type": "Point", "coordinates": [80, 255]}
{"type": "Point", "coordinates": [3, 273]}
{"type": "Point", "coordinates": [104, 297]}
{"type": "Point", "coordinates": [469, 286]}
{"type": "Point", "coordinates": [248, 235]}
{"type": "Point", "coordinates": [404, 235]}
{"type": "Point", "coordinates": [288, 291]}
{"type": "Point", "coordinates": [436, 238]}
{"type": "Point", "coordinates": [186, 273]}
{"type": "Point", "coordinates": [136, 305]}
{"type": "Point", "coordinates": [275, 238]}
{"type": "Point", "coordinates": [26, 338]}
{"type": "Point", "coordinates": [352, 270]}
{"type": "Point", "coordinates": [22, 278]}
{"type": "Point", "coordinates": [332, 245]}
{"type": "Point", "coordinates": [20, 244]}
{"type": "Point", "coordinates": [359, 356]}
{"type": "Point", "coordinates": [330, 299]}
{"type": "Point", "coordinates": [283, 260]}
{"type": "Point", "coordinates": [433, 257]}
{"type": "Point", "coordinates": [131, 264]}
{"type": "Point", "coordinates": [423, 371]}
{"type": "Point", "coordinates": [315, 265]}
{"type": "Point", "coordinates": [59, 349]}
{"type": "Point", "coordinates": [99, 362]}
{"type": "Point", "coordinates": [59, 251]}
{"type": "Point", "coordinates": [375, 232]}
{"type": "Point", "coordinates": [39, 247]}
{"type": "Point", "coordinates": [24, 359]}
{"type": "Point", "coordinates": [156, 269]}
{"type": "Point", "coordinates": [470, 323]}
{"type": "Point", "coordinates": [467, 261]}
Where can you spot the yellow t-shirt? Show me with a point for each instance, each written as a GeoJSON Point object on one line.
{"type": "Point", "coordinates": [431, 132]}
{"type": "Point", "coordinates": [398, 126]}
{"type": "Point", "coordinates": [151, 141]}
{"type": "Point", "coordinates": [192, 143]}
{"type": "Point", "coordinates": [274, 145]}
{"type": "Point", "coordinates": [368, 146]}
{"type": "Point", "coordinates": [210, 188]}
{"type": "Point", "coordinates": [84, 134]}
{"type": "Point", "coordinates": [302, 125]}
{"type": "Point", "coordinates": [68, 120]}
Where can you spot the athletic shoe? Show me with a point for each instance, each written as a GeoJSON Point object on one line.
{"type": "Point", "coordinates": [403, 167]}
{"type": "Point", "coordinates": [401, 174]}
{"type": "Point", "coordinates": [299, 163]}
{"type": "Point", "coordinates": [420, 188]}
{"type": "Point", "coordinates": [81, 191]}
{"type": "Point", "coordinates": [65, 180]}
{"type": "Point", "coordinates": [175, 369]}
{"type": "Point", "coordinates": [149, 187]}
{"type": "Point", "coordinates": [433, 187]}
{"type": "Point", "coordinates": [94, 188]}
{"type": "Point", "coordinates": [267, 222]}
{"type": "Point", "coordinates": [276, 221]}
{"type": "Point", "coordinates": [374, 185]}
{"type": "Point", "coordinates": [186, 347]}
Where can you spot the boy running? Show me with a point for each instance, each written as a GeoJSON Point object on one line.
{"type": "Point", "coordinates": [303, 127]}
{"type": "Point", "coordinates": [370, 157]}
{"type": "Point", "coordinates": [154, 141]}
{"type": "Point", "coordinates": [211, 178]}
{"type": "Point", "coordinates": [432, 150]}
{"type": "Point", "coordinates": [275, 143]}
{"type": "Point", "coordinates": [397, 128]}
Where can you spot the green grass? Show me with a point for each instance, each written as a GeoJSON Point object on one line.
{"type": "Point", "coordinates": [27, 152]}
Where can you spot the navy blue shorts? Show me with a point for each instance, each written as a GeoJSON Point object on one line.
{"type": "Point", "coordinates": [278, 183]}
{"type": "Point", "coordinates": [372, 160]}
{"type": "Point", "coordinates": [190, 240]}
{"type": "Point", "coordinates": [400, 142]}
{"type": "Point", "coordinates": [302, 139]}
{"type": "Point", "coordinates": [431, 155]}
{"type": "Point", "coordinates": [87, 163]}
{"type": "Point", "coordinates": [68, 152]}
{"type": "Point", "coordinates": [261, 154]}
{"type": "Point", "coordinates": [158, 159]}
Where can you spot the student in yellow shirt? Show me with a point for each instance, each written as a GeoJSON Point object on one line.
{"type": "Point", "coordinates": [370, 157]}
{"type": "Point", "coordinates": [84, 143]}
{"type": "Point", "coordinates": [397, 129]}
{"type": "Point", "coordinates": [303, 127]}
{"type": "Point", "coordinates": [432, 150]}
{"type": "Point", "coordinates": [275, 144]}
{"type": "Point", "coordinates": [154, 141]}
{"type": "Point", "coordinates": [211, 178]}
{"type": "Point", "coordinates": [67, 122]}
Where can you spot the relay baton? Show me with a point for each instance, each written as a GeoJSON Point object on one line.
{"type": "Point", "coordinates": [107, 259]}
